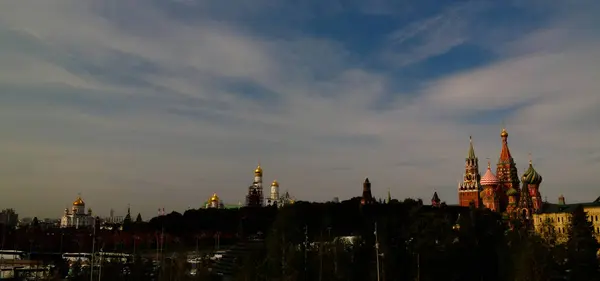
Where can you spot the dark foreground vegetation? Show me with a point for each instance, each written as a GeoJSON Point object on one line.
{"type": "Point", "coordinates": [395, 241]}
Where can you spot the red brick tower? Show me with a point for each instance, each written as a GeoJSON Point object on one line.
{"type": "Point", "coordinates": [435, 200]}
{"type": "Point", "coordinates": [367, 198]}
{"type": "Point", "coordinates": [506, 171]}
{"type": "Point", "coordinates": [469, 188]}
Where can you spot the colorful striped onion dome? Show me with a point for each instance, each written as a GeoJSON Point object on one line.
{"type": "Point", "coordinates": [489, 178]}
{"type": "Point", "coordinates": [531, 176]}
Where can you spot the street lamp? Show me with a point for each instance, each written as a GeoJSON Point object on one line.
{"type": "Point", "coordinates": [377, 251]}
{"type": "Point", "coordinates": [62, 234]}
{"type": "Point", "coordinates": [456, 227]}
{"type": "Point", "coordinates": [410, 243]}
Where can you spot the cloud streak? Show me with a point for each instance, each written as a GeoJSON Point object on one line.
{"type": "Point", "coordinates": [162, 108]}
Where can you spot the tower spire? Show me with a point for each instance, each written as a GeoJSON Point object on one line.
{"type": "Point", "coordinates": [506, 171]}
{"type": "Point", "coordinates": [505, 156]}
{"type": "Point", "coordinates": [468, 190]}
{"type": "Point", "coordinates": [367, 198]}
{"type": "Point", "coordinates": [471, 154]}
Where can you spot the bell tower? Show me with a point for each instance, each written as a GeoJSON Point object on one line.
{"type": "Point", "coordinates": [469, 188]}
{"type": "Point", "coordinates": [367, 198]}
{"type": "Point", "coordinates": [255, 191]}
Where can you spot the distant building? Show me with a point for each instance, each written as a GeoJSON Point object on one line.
{"type": "Point", "coordinates": [255, 191]}
{"type": "Point", "coordinates": [435, 200]}
{"type": "Point", "coordinates": [77, 217]}
{"type": "Point", "coordinates": [214, 202]}
{"type": "Point", "coordinates": [500, 192]}
{"type": "Point", "coordinates": [9, 217]}
{"type": "Point", "coordinates": [367, 198]}
{"type": "Point", "coordinates": [286, 199]}
{"type": "Point", "coordinates": [558, 216]}
{"type": "Point", "coordinates": [112, 219]}
{"type": "Point", "coordinates": [274, 196]}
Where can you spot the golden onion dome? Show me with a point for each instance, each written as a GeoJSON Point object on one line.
{"type": "Point", "coordinates": [275, 183]}
{"type": "Point", "coordinates": [258, 170]}
{"type": "Point", "coordinates": [78, 202]}
{"type": "Point", "coordinates": [214, 198]}
{"type": "Point", "coordinates": [504, 133]}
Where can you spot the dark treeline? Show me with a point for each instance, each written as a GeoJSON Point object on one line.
{"type": "Point", "coordinates": [414, 242]}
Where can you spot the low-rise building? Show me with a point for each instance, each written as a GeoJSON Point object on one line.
{"type": "Point", "coordinates": [558, 216]}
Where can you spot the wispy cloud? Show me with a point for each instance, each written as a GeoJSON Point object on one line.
{"type": "Point", "coordinates": [144, 99]}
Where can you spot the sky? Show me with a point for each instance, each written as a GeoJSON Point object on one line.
{"type": "Point", "coordinates": [161, 103]}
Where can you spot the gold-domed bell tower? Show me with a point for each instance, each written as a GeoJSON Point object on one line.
{"type": "Point", "coordinates": [274, 198]}
{"type": "Point", "coordinates": [258, 175]}
{"type": "Point", "coordinates": [255, 192]}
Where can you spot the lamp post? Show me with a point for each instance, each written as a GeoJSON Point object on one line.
{"type": "Point", "coordinates": [306, 252]}
{"type": "Point", "coordinates": [134, 245]}
{"type": "Point", "coordinates": [93, 251]}
{"type": "Point", "coordinates": [409, 243]}
{"type": "Point", "coordinates": [62, 234]}
{"type": "Point", "coordinates": [377, 251]}
{"type": "Point", "coordinates": [4, 236]}
{"type": "Point", "coordinates": [100, 267]}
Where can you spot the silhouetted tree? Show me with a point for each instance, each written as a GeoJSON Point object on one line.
{"type": "Point", "coordinates": [582, 247]}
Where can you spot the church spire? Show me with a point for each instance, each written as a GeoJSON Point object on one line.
{"type": "Point", "coordinates": [505, 156]}
{"type": "Point", "coordinates": [506, 171]}
{"type": "Point", "coordinates": [389, 197]}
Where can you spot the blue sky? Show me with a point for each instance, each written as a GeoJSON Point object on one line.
{"type": "Point", "coordinates": [161, 103]}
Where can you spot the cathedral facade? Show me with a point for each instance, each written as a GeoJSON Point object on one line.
{"type": "Point", "coordinates": [214, 202]}
{"type": "Point", "coordinates": [501, 191]}
{"type": "Point", "coordinates": [77, 217]}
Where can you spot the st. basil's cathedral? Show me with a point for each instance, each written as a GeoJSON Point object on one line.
{"type": "Point", "coordinates": [500, 192]}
